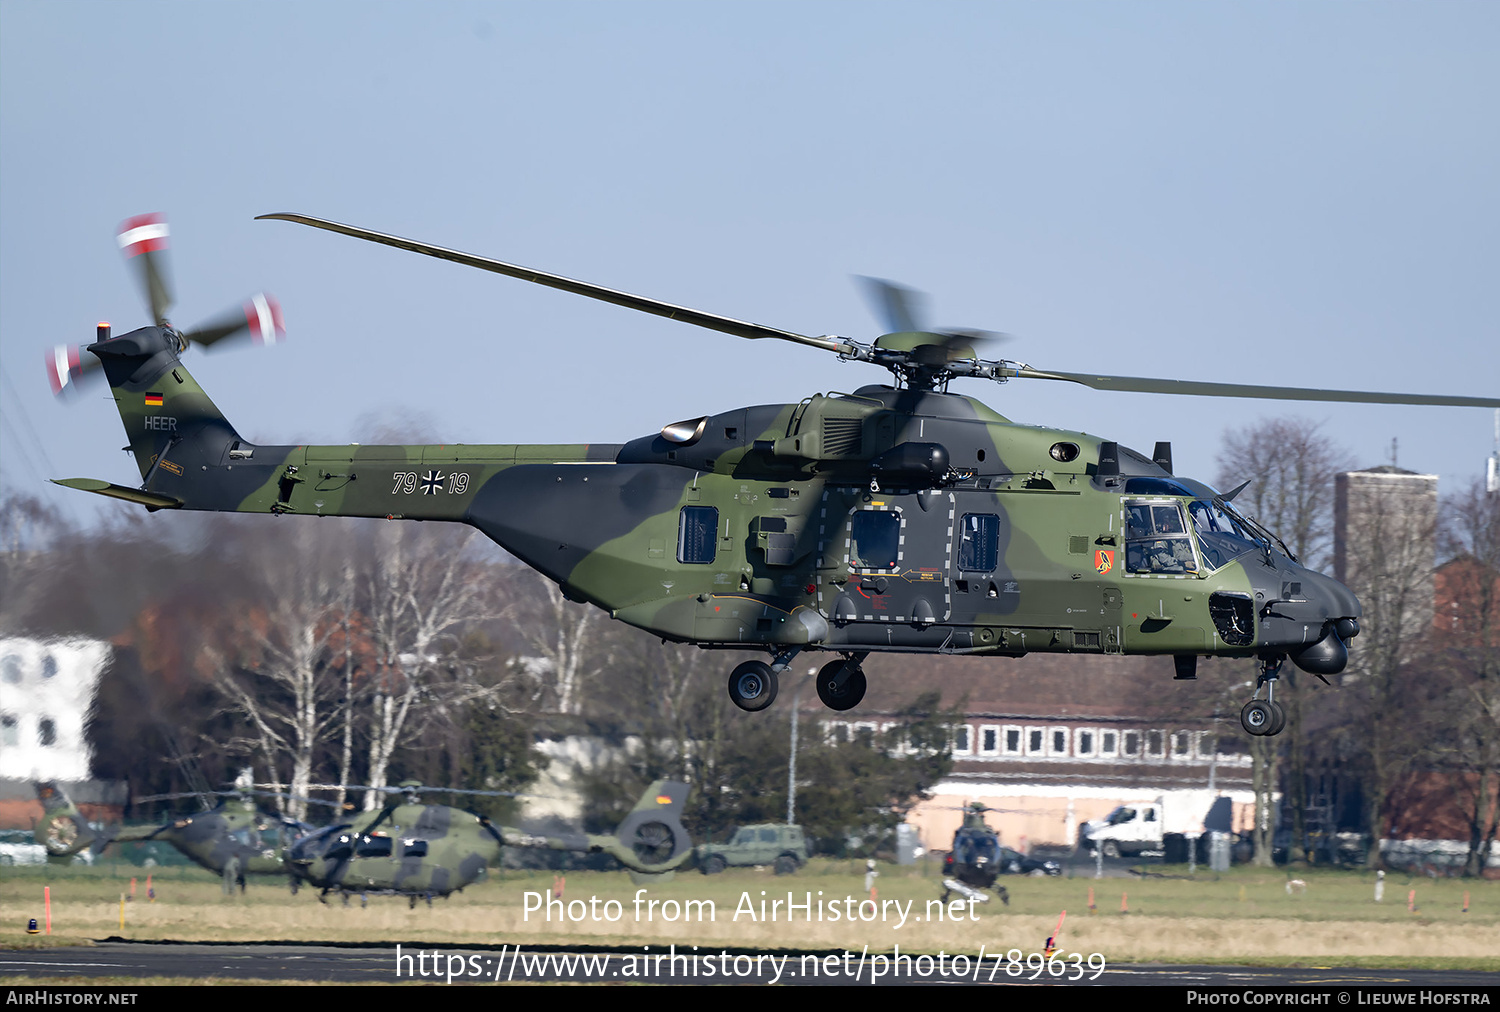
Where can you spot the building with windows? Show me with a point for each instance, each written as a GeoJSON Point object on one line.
{"type": "Point", "coordinates": [1042, 774]}
{"type": "Point", "coordinates": [46, 690]}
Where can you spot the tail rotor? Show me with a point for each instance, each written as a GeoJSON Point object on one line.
{"type": "Point", "coordinates": [144, 240]}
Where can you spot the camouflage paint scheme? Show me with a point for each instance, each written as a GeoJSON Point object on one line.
{"type": "Point", "coordinates": [421, 850]}
{"type": "Point", "coordinates": [235, 839]}
{"type": "Point", "coordinates": [896, 518]}
{"type": "Point", "coordinates": [787, 482]}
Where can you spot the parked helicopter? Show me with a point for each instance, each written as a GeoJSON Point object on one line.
{"type": "Point", "coordinates": [415, 850]}
{"type": "Point", "coordinates": [234, 839]}
{"type": "Point", "coordinates": [899, 518]}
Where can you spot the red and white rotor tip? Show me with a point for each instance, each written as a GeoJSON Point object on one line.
{"type": "Point", "coordinates": [64, 366]}
{"type": "Point", "coordinates": [263, 316]}
{"type": "Point", "coordinates": [145, 233]}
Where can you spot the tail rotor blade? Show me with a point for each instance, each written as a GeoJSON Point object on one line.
{"type": "Point", "coordinates": [69, 366]}
{"type": "Point", "coordinates": [143, 239]}
{"type": "Point", "coordinates": [260, 315]}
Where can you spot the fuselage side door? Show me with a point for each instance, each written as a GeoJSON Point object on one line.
{"type": "Point", "coordinates": [888, 557]}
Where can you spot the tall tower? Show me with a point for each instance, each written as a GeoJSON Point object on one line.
{"type": "Point", "coordinates": [1385, 544]}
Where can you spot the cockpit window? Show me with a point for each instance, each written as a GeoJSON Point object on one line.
{"type": "Point", "coordinates": [1157, 540]}
{"type": "Point", "coordinates": [1222, 538]}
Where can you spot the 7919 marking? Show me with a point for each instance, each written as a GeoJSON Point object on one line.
{"type": "Point", "coordinates": [429, 482]}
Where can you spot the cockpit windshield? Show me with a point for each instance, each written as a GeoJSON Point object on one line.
{"type": "Point", "coordinates": [1221, 535]}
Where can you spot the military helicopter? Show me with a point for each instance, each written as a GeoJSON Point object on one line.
{"type": "Point", "coordinates": [901, 517]}
{"type": "Point", "coordinates": [234, 839]}
{"type": "Point", "coordinates": [415, 850]}
{"type": "Point", "coordinates": [977, 858]}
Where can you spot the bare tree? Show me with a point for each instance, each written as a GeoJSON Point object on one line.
{"type": "Point", "coordinates": [1467, 646]}
{"type": "Point", "coordinates": [561, 636]}
{"type": "Point", "coordinates": [423, 588]}
{"type": "Point", "coordinates": [279, 666]}
{"type": "Point", "coordinates": [1290, 465]}
{"type": "Point", "coordinates": [28, 529]}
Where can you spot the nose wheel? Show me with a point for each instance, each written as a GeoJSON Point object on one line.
{"type": "Point", "coordinates": [841, 684]}
{"type": "Point", "coordinates": [1264, 717]}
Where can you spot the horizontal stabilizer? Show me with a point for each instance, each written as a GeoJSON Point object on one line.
{"type": "Point", "coordinates": [148, 499]}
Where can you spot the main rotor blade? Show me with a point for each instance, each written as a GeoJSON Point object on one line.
{"type": "Point", "coordinates": [143, 239]}
{"type": "Point", "coordinates": [723, 324]}
{"type": "Point", "coordinates": [1141, 384]}
{"type": "Point", "coordinates": [898, 308]}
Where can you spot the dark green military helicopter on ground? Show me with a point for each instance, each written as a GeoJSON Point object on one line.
{"type": "Point", "coordinates": [234, 839]}
{"type": "Point", "coordinates": [898, 518]}
{"type": "Point", "coordinates": [415, 850]}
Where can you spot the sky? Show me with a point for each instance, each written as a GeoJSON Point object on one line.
{"type": "Point", "coordinates": [1300, 194]}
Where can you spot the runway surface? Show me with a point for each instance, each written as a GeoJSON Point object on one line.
{"type": "Point", "coordinates": [485, 965]}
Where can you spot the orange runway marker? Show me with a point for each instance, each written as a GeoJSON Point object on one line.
{"type": "Point", "coordinates": [1051, 947]}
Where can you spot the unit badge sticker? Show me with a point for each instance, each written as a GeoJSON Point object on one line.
{"type": "Point", "coordinates": [1104, 560]}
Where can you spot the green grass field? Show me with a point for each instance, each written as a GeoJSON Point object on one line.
{"type": "Point", "coordinates": [1246, 916]}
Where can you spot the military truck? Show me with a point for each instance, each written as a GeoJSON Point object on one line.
{"type": "Point", "coordinates": [783, 847]}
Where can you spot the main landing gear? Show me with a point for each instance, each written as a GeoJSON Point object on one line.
{"type": "Point", "coordinates": [840, 683]}
{"type": "Point", "coordinates": [1265, 716]}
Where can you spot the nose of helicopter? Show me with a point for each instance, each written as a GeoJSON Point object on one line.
{"type": "Point", "coordinates": [1307, 614]}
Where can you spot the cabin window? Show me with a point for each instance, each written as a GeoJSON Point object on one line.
{"type": "Point", "coordinates": [374, 846]}
{"type": "Point", "coordinates": [979, 543]}
{"type": "Point", "coordinates": [413, 848]}
{"type": "Point", "coordinates": [46, 732]}
{"type": "Point", "coordinates": [875, 539]}
{"type": "Point", "coordinates": [695, 534]}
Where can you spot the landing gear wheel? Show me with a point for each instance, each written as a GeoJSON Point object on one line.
{"type": "Point", "coordinates": [1258, 717]}
{"type": "Point", "coordinates": [841, 685]}
{"type": "Point", "coordinates": [752, 686]}
{"type": "Point", "coordinates": [1279, 722]}
{"type": "Point", "coordinates": [713, 865]}
{"type": "Point", "coordinates": [786, 865]}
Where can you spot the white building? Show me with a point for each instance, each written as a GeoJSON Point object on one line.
{"type": "Point", "coordinates": [46, 690]}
